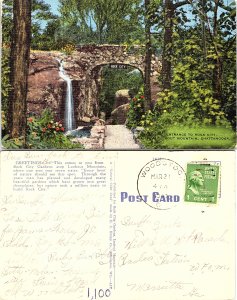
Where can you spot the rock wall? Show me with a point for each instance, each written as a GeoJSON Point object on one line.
{"type": "Point", "coordinates": [119, 114]}
{"type": "Point", "coordinates": [45, 88]}
{"type": "Point", "coordinates": [121, 97]}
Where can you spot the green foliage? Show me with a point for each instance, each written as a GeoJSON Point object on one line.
{"type": "Point", "coordinates": [42, 133]}
{"type": "Point", "coordinates": [5, 80]}
{"type": "Point", "coordinates": [159, 126]}
{"type": "Point", "coordinates": [195, 101]}
{"type": "Point", "coordinates": [48, 39]}
{"type": "Point", "coordinates": [68, 49]}
{"type": "Point", "coordinates": [3, 120]}
{"type": "Point", "coordinates": [43, 36]}
{"type": "Point", "coordinates": [46, 133]}
{"type": "Point", "coordinates": [192, 83]}
{"type": "Point", "coordinates": [7, 12]}
{"type": "Point", "coordinates": [100, 21]}
{"type": "Point", "coordinates": [190, 101]}
{"type": "Point", "coordinates": [6, 42]}
{"type": "Point", "coordinates": [156, 126]}
{"type": "Point", "coordinates": [202, 55]}
{"type": "Point", "coordinates": [208, 50]}
{"type": "Point", "coordinates": [136, 111]}
{"type": "Point", "coordinates": [8, 143]}
{"type": "Point", "coordinates": [229, 94]}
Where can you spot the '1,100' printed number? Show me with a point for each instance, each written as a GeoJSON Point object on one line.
{"type": "Point", "coordinates": [98, 293]}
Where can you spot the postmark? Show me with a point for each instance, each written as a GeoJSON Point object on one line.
{"type": "Point", "coordinates": [161, 183]}
{"type": "Point", "coordinates": [202, 183]}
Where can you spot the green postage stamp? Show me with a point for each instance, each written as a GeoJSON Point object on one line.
{"type": "Point", "coordinates": [202, 183]}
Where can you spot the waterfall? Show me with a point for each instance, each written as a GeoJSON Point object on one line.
{"type": "Point", "coordinates": [69, 106]}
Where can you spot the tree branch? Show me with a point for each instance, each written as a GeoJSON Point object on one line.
{"type": "Point", "coordinates": [179, 4]}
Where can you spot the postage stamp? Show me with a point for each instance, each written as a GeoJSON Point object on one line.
{"type": "Point", "coordinates": [202, 183]}
{"type": "Point", "coordinates": [161, 183]}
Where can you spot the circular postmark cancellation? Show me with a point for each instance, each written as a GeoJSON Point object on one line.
{"type": "Point", "coordinates": [161, 183]}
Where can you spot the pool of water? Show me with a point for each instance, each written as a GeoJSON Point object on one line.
{"type": "Point", "coordinates": [83, 132]}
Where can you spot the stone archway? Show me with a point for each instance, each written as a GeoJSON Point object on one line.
{"type": "Point", "coordinates": [86, 63]}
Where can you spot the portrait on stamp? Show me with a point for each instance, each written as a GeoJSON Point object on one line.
{"type": "Point", "coordinates": [196, 181]}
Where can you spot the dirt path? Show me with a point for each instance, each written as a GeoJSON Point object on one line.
{"type": "Point", "coordinates": [119, 137]}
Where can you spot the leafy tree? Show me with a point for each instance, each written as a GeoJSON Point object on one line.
{"type": "Point", "coordinates": [5, 83]}
{"type": "Point", "coordinates": [6, 35]}
{"type": "Point", "coordinates": [100, 21]}
{"type": "Point", "coordinates": [218, 21]}
{"type": "Point", "coordinates": [209, 61]}
{"type": "Point", "coordinates": [201, 67]}
{"type": "Point", "coordinates": [7, 11]}
{"type": "Point", "coordinates": [41, 36]}
{"type": "Point", "coordinates": [170, 8]}
{"type": "Point", "coordinates": [41, 39]}
{"type": "Point", "coordinates": [40, 13]}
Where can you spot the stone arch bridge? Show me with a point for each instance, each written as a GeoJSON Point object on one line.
{"type": "Point", "coordinates": [83, 66]}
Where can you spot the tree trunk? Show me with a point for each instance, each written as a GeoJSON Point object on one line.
{"type": "Point", "coordinates": [147, 75]}
{"type": "Point", "coordinates": [167, 48]}
{"type": "Point", "coordinates": [19, 64]}
{"type": "Point", "coordinates": [169, 13]}
{"type": "Point", "coordinates": [202, 19]}
{"type": "Point", "coordinates": [217, 79]}
{"type": "Point", "coordinates": [217, 71]}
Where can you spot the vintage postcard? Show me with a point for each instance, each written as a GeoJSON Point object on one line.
{"type": "Point", "coordinates": [118, 74]}
{"type": "Point", "coordinates": [116, 225]}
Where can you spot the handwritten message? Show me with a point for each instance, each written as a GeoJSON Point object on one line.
{"type": "Point", "coordinates": [172, 254]}
{"type": "Point", "coordinates": [57, 234]}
